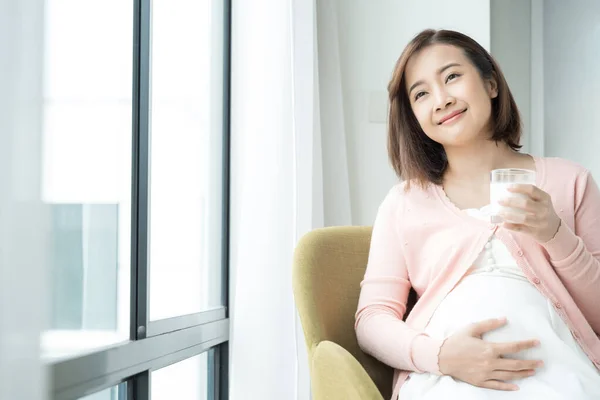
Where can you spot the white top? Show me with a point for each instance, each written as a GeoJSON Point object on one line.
{"type": "Point", "coordinates": [495, 286]}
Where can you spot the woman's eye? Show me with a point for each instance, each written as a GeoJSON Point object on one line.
{"type": "Point", "coordinates": [418, 95]}
{"type": "Point", "coordinates": [452, 76]}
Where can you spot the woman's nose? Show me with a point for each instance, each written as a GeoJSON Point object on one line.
{"type": "Point", "coordinates": [443, 100]}
{"type": "Point", "coordinates": [445, 104]}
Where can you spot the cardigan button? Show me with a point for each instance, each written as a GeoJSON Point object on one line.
{"type": "Point", "coordinates": [536, 280]}
{"type": "Point", "coordinates": [558, 305]}
{"type": "Point", "coordinates": [520, 253]}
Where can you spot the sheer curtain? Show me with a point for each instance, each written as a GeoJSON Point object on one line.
{"type": "Point", "coordinates": [22, 216]}
{"type": "Point", "coordinates": [289, 175]}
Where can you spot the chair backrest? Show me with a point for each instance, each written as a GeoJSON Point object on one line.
{"type": "Point", "coordinates": [329, 264]}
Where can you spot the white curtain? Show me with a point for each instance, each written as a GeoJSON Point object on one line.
{"type": "Point", "coordinates": [23, 222]}
{"type": "Point", "coordinates": [288, 176]}
{"type": "Point", "coordinates": [330, 113]}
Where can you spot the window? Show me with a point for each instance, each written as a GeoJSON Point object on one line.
{"type": "Point", "coordinates": [185, 380]}
{"type": "Point", "coordinates": [134, 161]}
{"type": "Point", "coordinates": [86, 171]}
{"type": "Point", "coordinates": [186, 158]}
{"type": "Point", "coordinates": [114, 393]}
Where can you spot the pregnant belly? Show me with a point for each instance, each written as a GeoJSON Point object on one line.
{"type": "Point", "coordinates": [482, 296]}
{"type": "Point", "coordinates": [567, 372]}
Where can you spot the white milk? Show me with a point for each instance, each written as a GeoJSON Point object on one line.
{"type": "Point", "coordinates": [499, 191]}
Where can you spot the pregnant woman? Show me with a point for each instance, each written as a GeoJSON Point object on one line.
{"type": "Point", "coordinates": [508, 307]}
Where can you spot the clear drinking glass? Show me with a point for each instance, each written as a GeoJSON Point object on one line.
{"type": "Point", "coordinates": [501, 179]}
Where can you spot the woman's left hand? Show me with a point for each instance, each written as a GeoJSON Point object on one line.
{"type": "Point", "coordinates": [536, 215]}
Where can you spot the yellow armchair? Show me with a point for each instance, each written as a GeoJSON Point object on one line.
{"type": "Point", "coordinates": [329, 264]}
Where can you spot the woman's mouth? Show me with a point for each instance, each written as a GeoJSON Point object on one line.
{"type": "Point", "coordinates": [450, 118]}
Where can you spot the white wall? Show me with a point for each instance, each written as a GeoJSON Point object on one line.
{"type": "Point", "coordinates": [571, 81]}
{"type": "Point", "coordinates": [511, 46]}
{"type": "Point", "coordinates": [372, 35]}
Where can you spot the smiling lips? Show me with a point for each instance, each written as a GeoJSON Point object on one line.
{"type": "Point", "coordinates": [450, 117]}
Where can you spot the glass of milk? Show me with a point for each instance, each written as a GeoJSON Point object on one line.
{"type": "Point", "coordinates": [501, 179]}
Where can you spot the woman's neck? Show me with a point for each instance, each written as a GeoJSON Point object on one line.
{"type": "Point", "coordinates": [473, 164]}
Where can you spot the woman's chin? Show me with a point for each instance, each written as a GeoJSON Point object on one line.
{"type": "Point", "coordinates": [461, 138]}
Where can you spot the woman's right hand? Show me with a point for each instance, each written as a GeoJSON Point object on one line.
{"type": "Point", "coordinates": [467, 357]}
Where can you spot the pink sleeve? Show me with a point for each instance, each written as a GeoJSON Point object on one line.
{"type": "Point", "coordinates": [576, 255]}
{"type": "Point", "coordinates": [380, 329]}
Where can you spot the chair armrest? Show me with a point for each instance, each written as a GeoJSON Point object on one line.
{"type": "Point", "coordinates": [337, 375]}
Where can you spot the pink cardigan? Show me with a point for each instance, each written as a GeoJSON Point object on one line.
{"type": "Point", "coordinates": [421, 240]}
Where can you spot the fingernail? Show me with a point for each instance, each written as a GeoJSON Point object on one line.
{"type": "Point", "coordinates": [515, 388]}
{"type": "Point", "coordinates": [536, 342]}
{"type": "Point", "coordinates": [540, 364]}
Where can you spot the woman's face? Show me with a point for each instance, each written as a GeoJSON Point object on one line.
{"type": "Point", "coordinates": [448, 96]}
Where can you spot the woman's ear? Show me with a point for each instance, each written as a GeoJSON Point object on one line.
{"type": "Point", "coordinates": [492, 86]}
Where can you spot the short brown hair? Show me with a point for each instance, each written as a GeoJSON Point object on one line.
{"type": "Point", "coordinates": [413, 155]}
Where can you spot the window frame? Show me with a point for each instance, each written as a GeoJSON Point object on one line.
{"type": "Point", "coordinates": [155, 344]}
